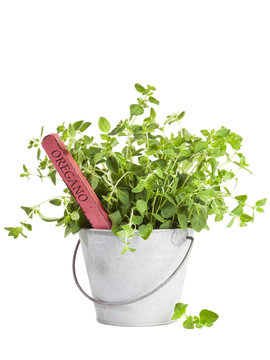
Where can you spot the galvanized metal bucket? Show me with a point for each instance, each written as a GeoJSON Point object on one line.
{"type": "Point", "coordinates": [140, 288]}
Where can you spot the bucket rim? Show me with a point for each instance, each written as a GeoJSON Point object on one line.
{"type": "Point", "coordinates": [137, 231]}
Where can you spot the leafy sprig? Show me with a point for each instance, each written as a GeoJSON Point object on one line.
{"type": "Point", "coordinates": [147, 179]}
{"type": "Point", "coordinates": [205, 318]}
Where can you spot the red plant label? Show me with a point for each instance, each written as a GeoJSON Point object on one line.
{"type": "Point", "coordinates": [71, 174]}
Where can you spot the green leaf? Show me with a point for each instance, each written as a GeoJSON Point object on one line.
{"type": "Point", "coordinates": [116, 217]}
{"type": "Point", "coordinates": [123, 196]}
{"type": "Point", "coordinates": [260, 210]}
{"type": "Point", "coordinates": [80, 156]}
{"type": "Point", "coordinates": [125, 249]}
{"type": "Point", "coordinates": [223, 132]}
{"type": "Point", "coordinates": [246, 218]}
{"type": "Point", "coordinates": [166, 225]}
{"type": "Point", "coordinates": [174, 186]}
{"type": "Point", "coordinates": [87, 139]}
{"type": "Point", "coordinates": [152, 113]}
{"type": "Point", "coordinates": [199, 325]}
{"type": "Point", "coordinates": [84, 126]}
{"type": "Point", "coordinates": [235, 141]}
{"type": "Point", "coordinates": [186, 165]}
{"type": "Point", "coordinates": [170, 198]}
{"type": "Point", "coordinates": [41, 131]}
{"type": "Point", "coordinates": [53, 176]}
{"type": "Point", "coordinates": [205, 132]}
{"type": "Point", "coordinates": [145, 231]}
{"type": "Point", "coordinates": [183, 220]}
{"type": "Point", "coordinates": [227, 190]}
{"type": "Point", "coordinates": [143, 160]}
{"type": "Point", "coordinates": [140, 88]}
{"type": "Point", "coordinates": [159, 173]}
{"type": "Point", "coordinates": [75, 215]}
{"type": "Point", "coordinates": [112, 164]}
{"type": "Point", "coordinates": [171, 119]}
{"type": "Point", "coordinates": [77, 125]}
{"type": "Point", "coordinates": [158, 217]}
{"type": "Point", "coordinates": [98, 157]}
{"type": "Point", "coordinates": [179, 311]}
{"type": "Point", "coordinates": [74, 227]}
{"type": "Point", "coordinates": [137, 220]}
{"type": "Point", "coordinates": [28, 210]}
{"type": "Point", "coordinates": [169, 153]}
{"type": "Point", "coordinates": [60, 128]}
{"type": "Point", "coordinates": [261, 202]}
{"type": "Point", "coordinates": [94, 182]}
{"type": "Point", "coordinates": [104, 124]}
{"type": "Point", "coordinates": [241, 198]}
{"type": "Point", "coordinates": [15, 231]}
{"type": "Point", "coordinates": [56, 202]}
{"type": "Point", "coordinates": [38, 153]}
{"type": "Point", "coordinates": [206, 195]}
{"type": "Point", "coordinates": [219, 151]}
{"type": "Point", "coordinates": [213, 163]}
{"type": "Point", "coordinates": [136, 110]}
{"type": "Point", "coordinates": [67, 231]}
{"type": "Point", "coordinates": [218, 217]}
{"type": "Point", "coordinates": [71, 130]}
{"type": "Point", "coordinates": [168, 210]}
{"type": "Point", "coordinates": [123, 234]}
{"type": "Point", "coordinates": [200, 146]}
{"type": "Point", "coordinates": [139, 188]}
{"type": "Point", "coordinates": [66, 219]}
{"type": "Point", "coordinates": [197, 222]}
{"type": "Point", "coordinates": [128, 229]}
{"type": "Point", "coordinates": [141, 205]}
{"type": "Point", "coordinates": [153, 100]}
{"type": "Point", "coordinates": [27, 226]}
{"type": "Point", "coordinates": [238, 210]}
{"type": "Point", "coordinates": [180, 116]}
{"type": "Point", "coordinates": [188, 323]}
{"type": "Point", "coordinates": [207, 316]}
{"type": "Point", "coordinates": [231, 222]}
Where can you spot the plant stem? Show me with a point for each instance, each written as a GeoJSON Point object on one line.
{"type": "Point", "coordinates": [37, 206]}
{"type": "Point", "coordinates": [228, 160]}
{"type": "Point", "coordinates": [115, 186]}
{"type": "Point", "coordinates": [191, 172]}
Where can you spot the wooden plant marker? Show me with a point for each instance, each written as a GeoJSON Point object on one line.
{"type": "Point", "coordinates": [71, 174]}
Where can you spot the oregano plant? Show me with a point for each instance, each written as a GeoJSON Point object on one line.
{"type": "Point", "coordinates": [155, 180]}
{"type": "Point", "coordinates": [148, 178]}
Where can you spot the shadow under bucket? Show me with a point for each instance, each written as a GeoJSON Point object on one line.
{"type": "Point", "coordinates": [150, 279]}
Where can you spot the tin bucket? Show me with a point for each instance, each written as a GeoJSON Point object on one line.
{"type": "Point", "coordinates": [138, 288]}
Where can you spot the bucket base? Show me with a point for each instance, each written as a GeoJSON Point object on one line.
{"type": "Point", "coordinates": [136, 325]}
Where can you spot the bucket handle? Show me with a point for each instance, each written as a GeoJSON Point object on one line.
{"type": "Point", "coordinates": [100, 302]}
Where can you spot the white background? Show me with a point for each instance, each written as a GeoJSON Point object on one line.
{"type": "Point", "coordinates": [73, 60]}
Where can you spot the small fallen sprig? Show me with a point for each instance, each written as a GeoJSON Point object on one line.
{"type": "Point", "coordinates": [205, 318]}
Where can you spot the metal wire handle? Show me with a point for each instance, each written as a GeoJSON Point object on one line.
{"type": "Point", "coordinates": [100, 302]}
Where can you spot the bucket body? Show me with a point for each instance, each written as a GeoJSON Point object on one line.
{"type": "Point", "coordinates": [114, 277]}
